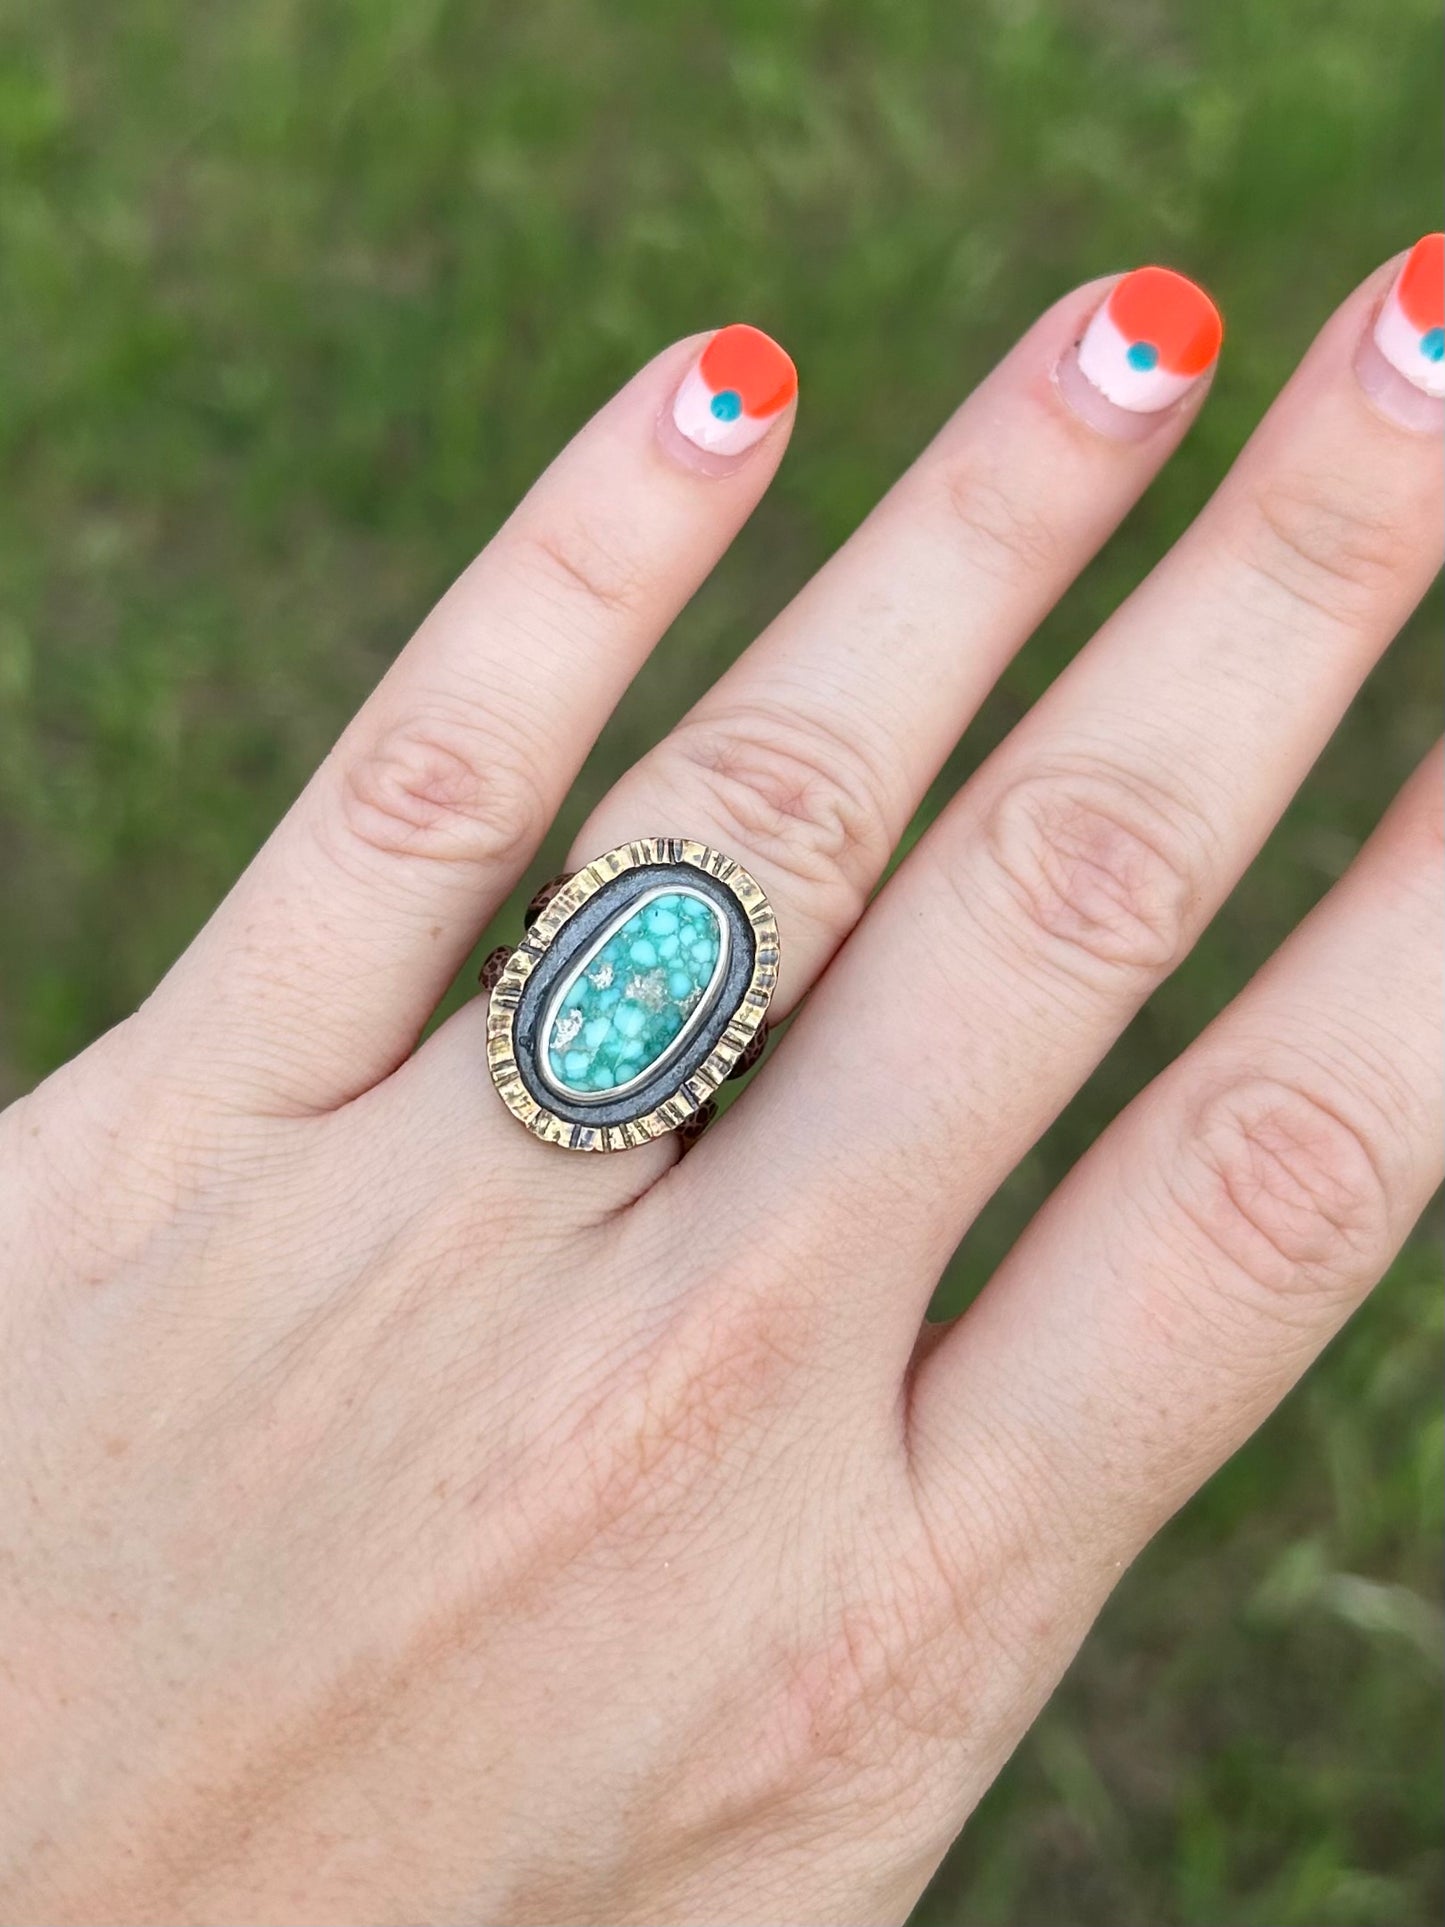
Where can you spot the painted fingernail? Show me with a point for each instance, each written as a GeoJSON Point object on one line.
{"type": "Point", "coordinates": [1151, 341]}
{"type": "Point", "coordinates": [1410, 327]}
{"type": "Point", "coordinates": [735, 390]}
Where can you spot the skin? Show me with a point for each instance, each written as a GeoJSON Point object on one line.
{"type": "Point", "coordinates": [402, 1520]}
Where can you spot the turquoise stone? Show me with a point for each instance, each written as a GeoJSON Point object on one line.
{"type": "Point", "coordinates": [634, 994]}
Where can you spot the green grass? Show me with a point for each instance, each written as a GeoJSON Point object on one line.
{"type": "Point", "coordinates": [295, 298]}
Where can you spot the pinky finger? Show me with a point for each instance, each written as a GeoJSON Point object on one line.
{"type": "Point", "coordinates": [1219, 1233]}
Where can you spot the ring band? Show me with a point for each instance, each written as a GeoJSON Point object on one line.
{"type": "Point", "coordinates": [641, 985]}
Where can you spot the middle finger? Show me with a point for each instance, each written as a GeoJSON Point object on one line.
{"type": "Point", "coordinates": [808, 758]}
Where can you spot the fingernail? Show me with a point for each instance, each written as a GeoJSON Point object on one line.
{"type": "Point", "coordinates": [1154, 337]}
{"type": "Point", "coordinates": [1410, 327]}
{"type": "Point", "coordinates": [735, 390]}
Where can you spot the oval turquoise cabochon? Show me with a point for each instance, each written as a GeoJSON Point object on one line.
{"type": "Point", "coordinates": [637, 994]}
{"type": "Point", "coordinates": [694, 963]}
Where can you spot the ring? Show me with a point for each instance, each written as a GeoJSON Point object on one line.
{"type": "Point", "coordinates": [641, 985]}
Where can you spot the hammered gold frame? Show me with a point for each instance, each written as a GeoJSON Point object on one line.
{"type": "Point", "coordinates": [742, 1026]}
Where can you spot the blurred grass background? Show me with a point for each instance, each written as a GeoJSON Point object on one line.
{"type": "Point", "coordinates": [297, 296]}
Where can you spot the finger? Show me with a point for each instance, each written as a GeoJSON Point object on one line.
{"type": "Point", "coordinates": [1211, 1242]}
{"type": "Point", "coordinates": [809, 757]}
{"type": "Point", "coordinates": [1081, 862]}
{"type": "Point", "coordinates": [315, 976]}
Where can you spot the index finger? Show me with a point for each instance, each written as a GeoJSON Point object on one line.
{"type": "Point", "coordinates": [316, 975]}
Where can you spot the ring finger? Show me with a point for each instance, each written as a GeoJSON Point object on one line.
{"type": "Point", "coordinates": [807, 759]}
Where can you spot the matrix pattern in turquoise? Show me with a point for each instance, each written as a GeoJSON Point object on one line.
{"type": "Point", "coordinates": [635, 995]}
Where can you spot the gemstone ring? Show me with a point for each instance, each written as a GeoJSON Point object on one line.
{"type": "Point", "coordinates": [641, 985]}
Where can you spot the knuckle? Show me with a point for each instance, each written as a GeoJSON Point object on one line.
{"type": "Point", "coordinates": [1322, 544]}
{"type": "Point", "coordinates": [1286, 1183]}
{"type": "Point", "coordinates": [835, 1702]}
{"type": "Point", "coordinates": [673, 1411]}
{"type": "Point", "coordinates": [793, 792]}
{"type": "Point", "coordinates": [444, 791]}
{"type": "Point", "coordinates": [864, 1688]}
{"type": "Point", "coordinates": [1101, 867]}
{"type": "Point", "coordinates": [577, 560]}
{"type": "Point", "coordinates": [1005, 533]}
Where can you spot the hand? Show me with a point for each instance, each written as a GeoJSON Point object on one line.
{"type": "Point", "coordinates": [401, 1519]}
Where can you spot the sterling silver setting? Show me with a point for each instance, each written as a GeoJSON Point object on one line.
{"type": "Point", "coordinates": [722, 1035]}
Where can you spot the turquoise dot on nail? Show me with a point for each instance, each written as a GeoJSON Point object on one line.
{"type": "Point", "coordinates": [1142, 355]}
{"type": "Point", "coordinates": [1432, 344]}
{"type": "Point", "coordinates": [727, 405]}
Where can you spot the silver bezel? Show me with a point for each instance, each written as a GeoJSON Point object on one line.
{"type": "Point", "coordinates": [695, 1016]}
